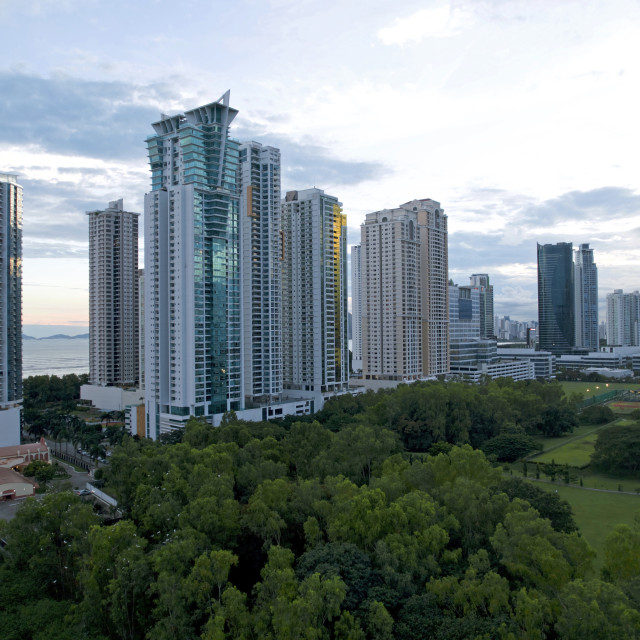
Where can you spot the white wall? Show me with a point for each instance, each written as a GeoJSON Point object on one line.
{"type": "Point", "coordinates": [110, 398]}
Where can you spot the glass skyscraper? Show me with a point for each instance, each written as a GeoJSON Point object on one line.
{"type": "Point", "coordinates": [192, 278]}
{"type": "Point", "coordinates": [556, 317]}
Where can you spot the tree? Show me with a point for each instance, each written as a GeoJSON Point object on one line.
{"type": "Point", "coordinates": [558, 419]}
{"type": "Point", "coordinates": [596, 414]}
{"type": "Point", "coordinates": [595, 610]}
{"type": "Point", "coordinates": [42, 471]}
{"type": "Point", "coordinates": [548, 505]}
{"type": "Point", "coordinates": [509, 447]}
{"type": "Point", "coordinates": [115, 581]}
{"type": "Point", "coordinates": [622, 553]}
{"type": "Point", "coordinates": [536, 555]}
{"type": "Point", "coordinates": [617, 449]}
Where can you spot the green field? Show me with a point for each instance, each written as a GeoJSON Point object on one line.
{"type": "Point", "coordinates": [576, 453]}
{"type": "Point", "coordinates": [597, 513]}
{"type": "Point", "coordinates": [582, 430]}
{"type": "Point", "coordinates": [575, 448]}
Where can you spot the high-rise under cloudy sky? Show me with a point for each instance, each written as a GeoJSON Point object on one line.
{"type": "Point", "coordinates": [520, 117]}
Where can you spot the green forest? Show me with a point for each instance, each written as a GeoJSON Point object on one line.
{"type": "Point", "coordinates": [378, 518]}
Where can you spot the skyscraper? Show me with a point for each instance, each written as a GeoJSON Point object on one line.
{"type": "Point", "coordinates": [356, 308]}
{"type": "Point", "coordinates": [623, 319]}
{"type": "Point", "coordinates": [114, 332]}
{"type": "Point", "coordinates": [260, 266]}
{"type": "Point", "coordinates": [556, 318]}
{"type": "Point", "coordinates": [314, 292]}
{"type": "Point", "coordinates": [10, 309]}
{"type": "Point", "coordinates": [480, 281]}
{"type": "Point", "coordinates": [192, 279]}
{"type": "Point", "coordinates": [586, 302]}
{"type": "Point", "coordinates": [405, 312]}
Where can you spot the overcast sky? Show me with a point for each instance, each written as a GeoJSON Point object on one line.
{"type": "Point", "coordinates": [519, 117]}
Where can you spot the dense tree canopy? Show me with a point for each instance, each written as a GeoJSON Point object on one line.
{"type": "Point", "coordinates": [425, 413]}
{"type": "Point", "coordinates": [299, 530]}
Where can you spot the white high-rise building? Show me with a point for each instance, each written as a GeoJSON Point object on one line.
{"type": "Point", "coordinates": [314, 293]}
{"type": "Point", "coordinates": [405, 310]}
{"type": "Point", "coordinates": [623, 319]}
{"type": "Point", "coordinates": [586, 299]}
{"type": "Point", "coordinates": [356, 309]}
{"type": "Point", "coordinates": [192, 272]}
{"type": "Point", "coordinates": [10, 309]}
{"type": "Point", "coordinates": [261, 251]}
{"type": "Point", "coordinates": [114, 331]}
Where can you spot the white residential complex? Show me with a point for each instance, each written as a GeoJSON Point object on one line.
{"type": "Point", "coordinates": [404, 271]}
{"type": "Point", "coordinates": [356, 309]}
{"type": "Point", "coordinates": [314, 293]}
{"type": "Point", "coordinates": [192, 279]}
{"type": "Point", "coordinates": [261, 251]}
{"type": "Point", "coordinates": [10, 309]}
{"type": "Point", "coordinates": [623, 319]}
{"type": "Point", "coordinates": [114, 332]}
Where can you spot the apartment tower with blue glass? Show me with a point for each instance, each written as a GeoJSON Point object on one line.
{"type": "Point", "coordinates": [192, 272]}
{"type": "Point", "coordinates": [556, 298]}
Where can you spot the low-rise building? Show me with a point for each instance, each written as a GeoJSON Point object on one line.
{"type": "Point", "coordinates": [14, 485]}
{"type": "Point", "coordinates": [20, 455]}
{"type": "Point", "coordinates": [544, 362]}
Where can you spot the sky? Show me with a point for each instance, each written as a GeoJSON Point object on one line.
{"type": "Point", "coordinates": [519, 117]}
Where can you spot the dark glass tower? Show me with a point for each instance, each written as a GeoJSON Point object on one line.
{"type": "Point", "coordinates": [556, 316]}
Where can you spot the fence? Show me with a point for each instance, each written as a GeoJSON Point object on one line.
{"type": "Point", "coordinates": [600, 398]}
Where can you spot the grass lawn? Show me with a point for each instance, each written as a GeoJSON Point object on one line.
{"type": "Point", "coordinates": [596, 513]}
{"type": "Point", "coordinates": [576, 453]}
{"type": "Point", "coordinates": [575, 448]}
{"type": "Point", "coordinates": [582, 430]}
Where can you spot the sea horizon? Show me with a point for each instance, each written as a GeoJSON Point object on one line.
{"type": "Point", "coordinates": [56, 356]}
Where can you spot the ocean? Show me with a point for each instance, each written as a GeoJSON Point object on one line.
{"type": "Point", "coordinates": [58, 356]}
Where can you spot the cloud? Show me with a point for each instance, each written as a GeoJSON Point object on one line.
{"type": "Point", "coordinates": [307, 164]}
{"type": "Point", "coordinates": [442, 21]}
{"type": "Point", "coordinates": [70, 116]}
{"type": "Point", "coordinates": [54, 220]}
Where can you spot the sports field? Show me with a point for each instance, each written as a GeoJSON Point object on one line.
{"type": "Point", "coordinates": [624, 407]}
{"type": "Point", "coordinates": [588, 389]}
